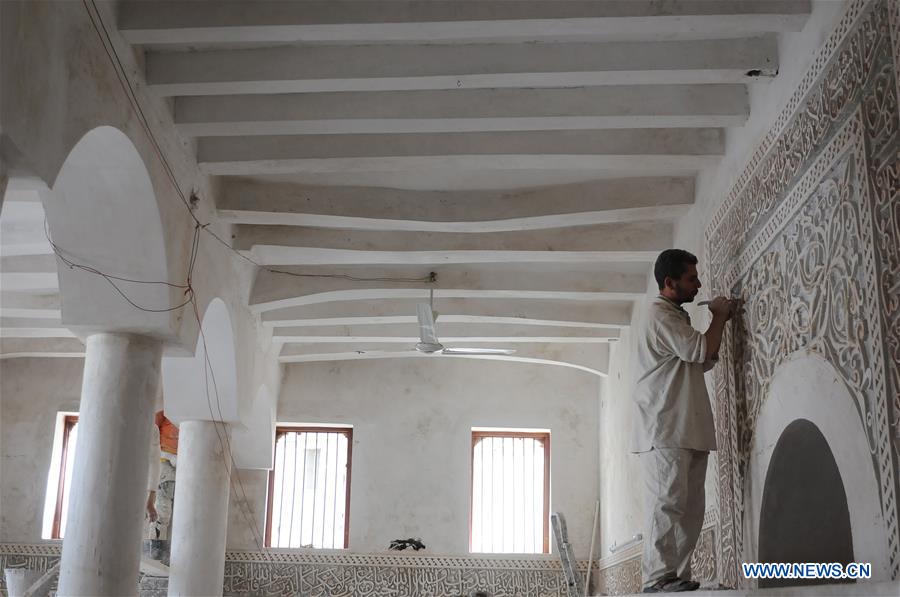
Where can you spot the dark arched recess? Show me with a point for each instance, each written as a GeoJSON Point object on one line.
{"type": "Point", "coordinates": [804, 515]}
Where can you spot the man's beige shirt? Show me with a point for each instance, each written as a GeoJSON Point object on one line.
{"type": "Point", "coordinates": [672, 402]}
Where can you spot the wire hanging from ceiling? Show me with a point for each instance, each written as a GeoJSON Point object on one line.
{"type": "Point", "coordinates": [189, 202]}
{"type": "Point", "coordinates": [69, 261]}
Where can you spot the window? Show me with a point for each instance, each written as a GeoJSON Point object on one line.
{"type": "Point", "coordinates": [309, 488]}
{"type": "Point", "coordinates": [510, 491]}
{"type": "Point", "coordinates": [59, 478]}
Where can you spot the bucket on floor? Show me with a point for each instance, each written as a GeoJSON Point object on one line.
{"type": "Point", "coordinates": [157, 549]}
{"type": "Point", "coordinates": [19, 580]}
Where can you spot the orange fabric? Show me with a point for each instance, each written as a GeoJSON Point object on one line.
{"type": "Point", "coordinates": [168, 434]}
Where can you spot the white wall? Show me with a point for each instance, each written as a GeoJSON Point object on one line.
{"type": "Point", "coordinates": [412, 422]}
{"type": "Point", "coordinates": [620, 481]}
{"type": "Point", "coordinates": [621, 511]}
{"type": "Point", "coordinates": [32, 391]}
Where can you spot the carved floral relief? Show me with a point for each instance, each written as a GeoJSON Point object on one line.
{"type": "Point", "coordinates": [809, 237]}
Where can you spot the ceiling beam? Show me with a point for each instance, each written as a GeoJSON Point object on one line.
{"type": "Point", "coordinates": [296, 245]}
{"type": "Point", "coordinates": [447, 332]}
{"type": "Point", "coordinates": [536, 349]}
{"type": "Point", "coordinates": [248, 201]}
{"type": "Point", "coordinates": [385, 68]}
{"type": "Point", "coordinates": [24, 264]}
{"type": "Point", "coordinates": [579, 282]}
{"type": "Point", "coordinates": [38, 283]}
{"type": "Point", "coordinates": [40, 347]}
{"type": "Point", "coordinates": [279, 256]}
{"type": "Point", "coordinates": [356, 356]}
{"type": "Point", "coordinates": [593, 358]}
{"type": "Point", "coordinates": [470, 110]}
{"type": "Point", "coordinates": [24, 300]}
{"type": "Point", "coordinates": [36, 332]}
{"type": "Point", "coordinates": [13, 322]}
{"type": "Point", "coordinates": [175, 22]}
{"type": "Point", "coordinates": [632, 150]}
{"type": "Point", "coordinates": [451, 310]}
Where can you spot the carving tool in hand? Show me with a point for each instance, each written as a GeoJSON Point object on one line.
{"type": "Point", "coordinates": [701, 303]}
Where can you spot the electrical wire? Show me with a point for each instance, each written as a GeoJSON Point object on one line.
{"type": "Point", "coordinates": [188, 291]}
{"type": "Point", "coordinates": [119, 68]}
{"type": "Point", "coordinates": [225, 442]}
{"type": "Point", "coordinates": [243, 500]}
{"type": "Point", "coordinates": [429, 279]}
{"type": "Point", "coordinates": [131, 95]}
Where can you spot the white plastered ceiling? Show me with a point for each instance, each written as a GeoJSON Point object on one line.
{"type": "Point", "coordinates": [533, 154]}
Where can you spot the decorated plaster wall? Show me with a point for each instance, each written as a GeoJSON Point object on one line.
{"type": "Point", "coordinates": [809, 184]}
{"type": "Point", "coordinates": [809, 238]}
{"type": "Point", "coordinates": [283, 574]}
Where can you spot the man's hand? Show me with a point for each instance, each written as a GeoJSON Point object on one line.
{"type": "Point", "coordinates": [152, 514]}
{"type": "Point", "coordinates": [723, 307]}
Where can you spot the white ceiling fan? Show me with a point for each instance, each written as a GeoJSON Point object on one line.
{"type": "Point", "coordinates": [429, 343]}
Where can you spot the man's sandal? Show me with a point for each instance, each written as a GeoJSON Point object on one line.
{"type": "Point", "coordinates": [672, 585]}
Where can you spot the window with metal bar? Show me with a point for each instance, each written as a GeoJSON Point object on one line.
{"type": "Point", "coordinates": [59, 478]}
{"type": "Point", "coordinates": [510, 510]}
{"type": "Point", "coordinates": [309, 488]}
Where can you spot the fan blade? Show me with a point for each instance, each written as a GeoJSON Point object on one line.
{"type": "Point", "coordinates": [477, 351]}
{"type": "Point", "coordinates": [427, 334]}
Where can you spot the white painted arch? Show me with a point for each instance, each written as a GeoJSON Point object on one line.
{"type": "Point", "coordinates": [196, 390]}
{"type": "Point", "coordinates": [102, 212]}
{"type": "Point", "coordinates": [806, 386]}
{"type": "Point", "coordinates": [253, 443]}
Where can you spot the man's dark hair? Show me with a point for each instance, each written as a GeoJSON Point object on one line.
{"type": "Point", "coordinates": [672, 263]}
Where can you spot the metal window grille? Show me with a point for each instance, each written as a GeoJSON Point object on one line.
{"type": "Point", "coordinates": [510, 510]}
{"type": "Point", "coordinates": [309, 488]}
{"type": "Point", "coordinates": [66, 465]}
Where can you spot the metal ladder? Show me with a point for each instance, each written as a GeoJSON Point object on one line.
{"type": "Point", "coordinates": [574, 582]}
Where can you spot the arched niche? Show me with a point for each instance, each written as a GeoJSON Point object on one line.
{"type": "Point", "coordinates": [804, 515]}
{"type": "Point", "coordinates": [196, 390]}
{"type": "Point", "coordinates": [102, 212]}
{"type": "Point", "coordinates": [253, 442]}
{"type": "Point", "coordinates": [807, 387]}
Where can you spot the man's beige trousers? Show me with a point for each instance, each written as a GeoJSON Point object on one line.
{"type": "Point", "coordinates": [674, 503]}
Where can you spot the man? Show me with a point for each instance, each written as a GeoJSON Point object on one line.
{"type": "Point", "coordinates": [161, 493]}
{"type": "Point", "coordinates": [674, 430]}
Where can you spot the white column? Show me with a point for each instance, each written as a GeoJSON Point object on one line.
{"type": "Point", "coordinates": [4, 182]}
{"type": "Point", "coordinates": [200, 519]}
{"type": "Point", "coordinates": [102, 547]}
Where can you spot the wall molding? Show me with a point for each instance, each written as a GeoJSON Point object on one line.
{"type": "Point", "coordinates": [291, 572]}
{"type": "Point", "coordinates": [620, 573]}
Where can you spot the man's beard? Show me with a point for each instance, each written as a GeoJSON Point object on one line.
{"type": "Point", "coordinates": [684, 295]}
